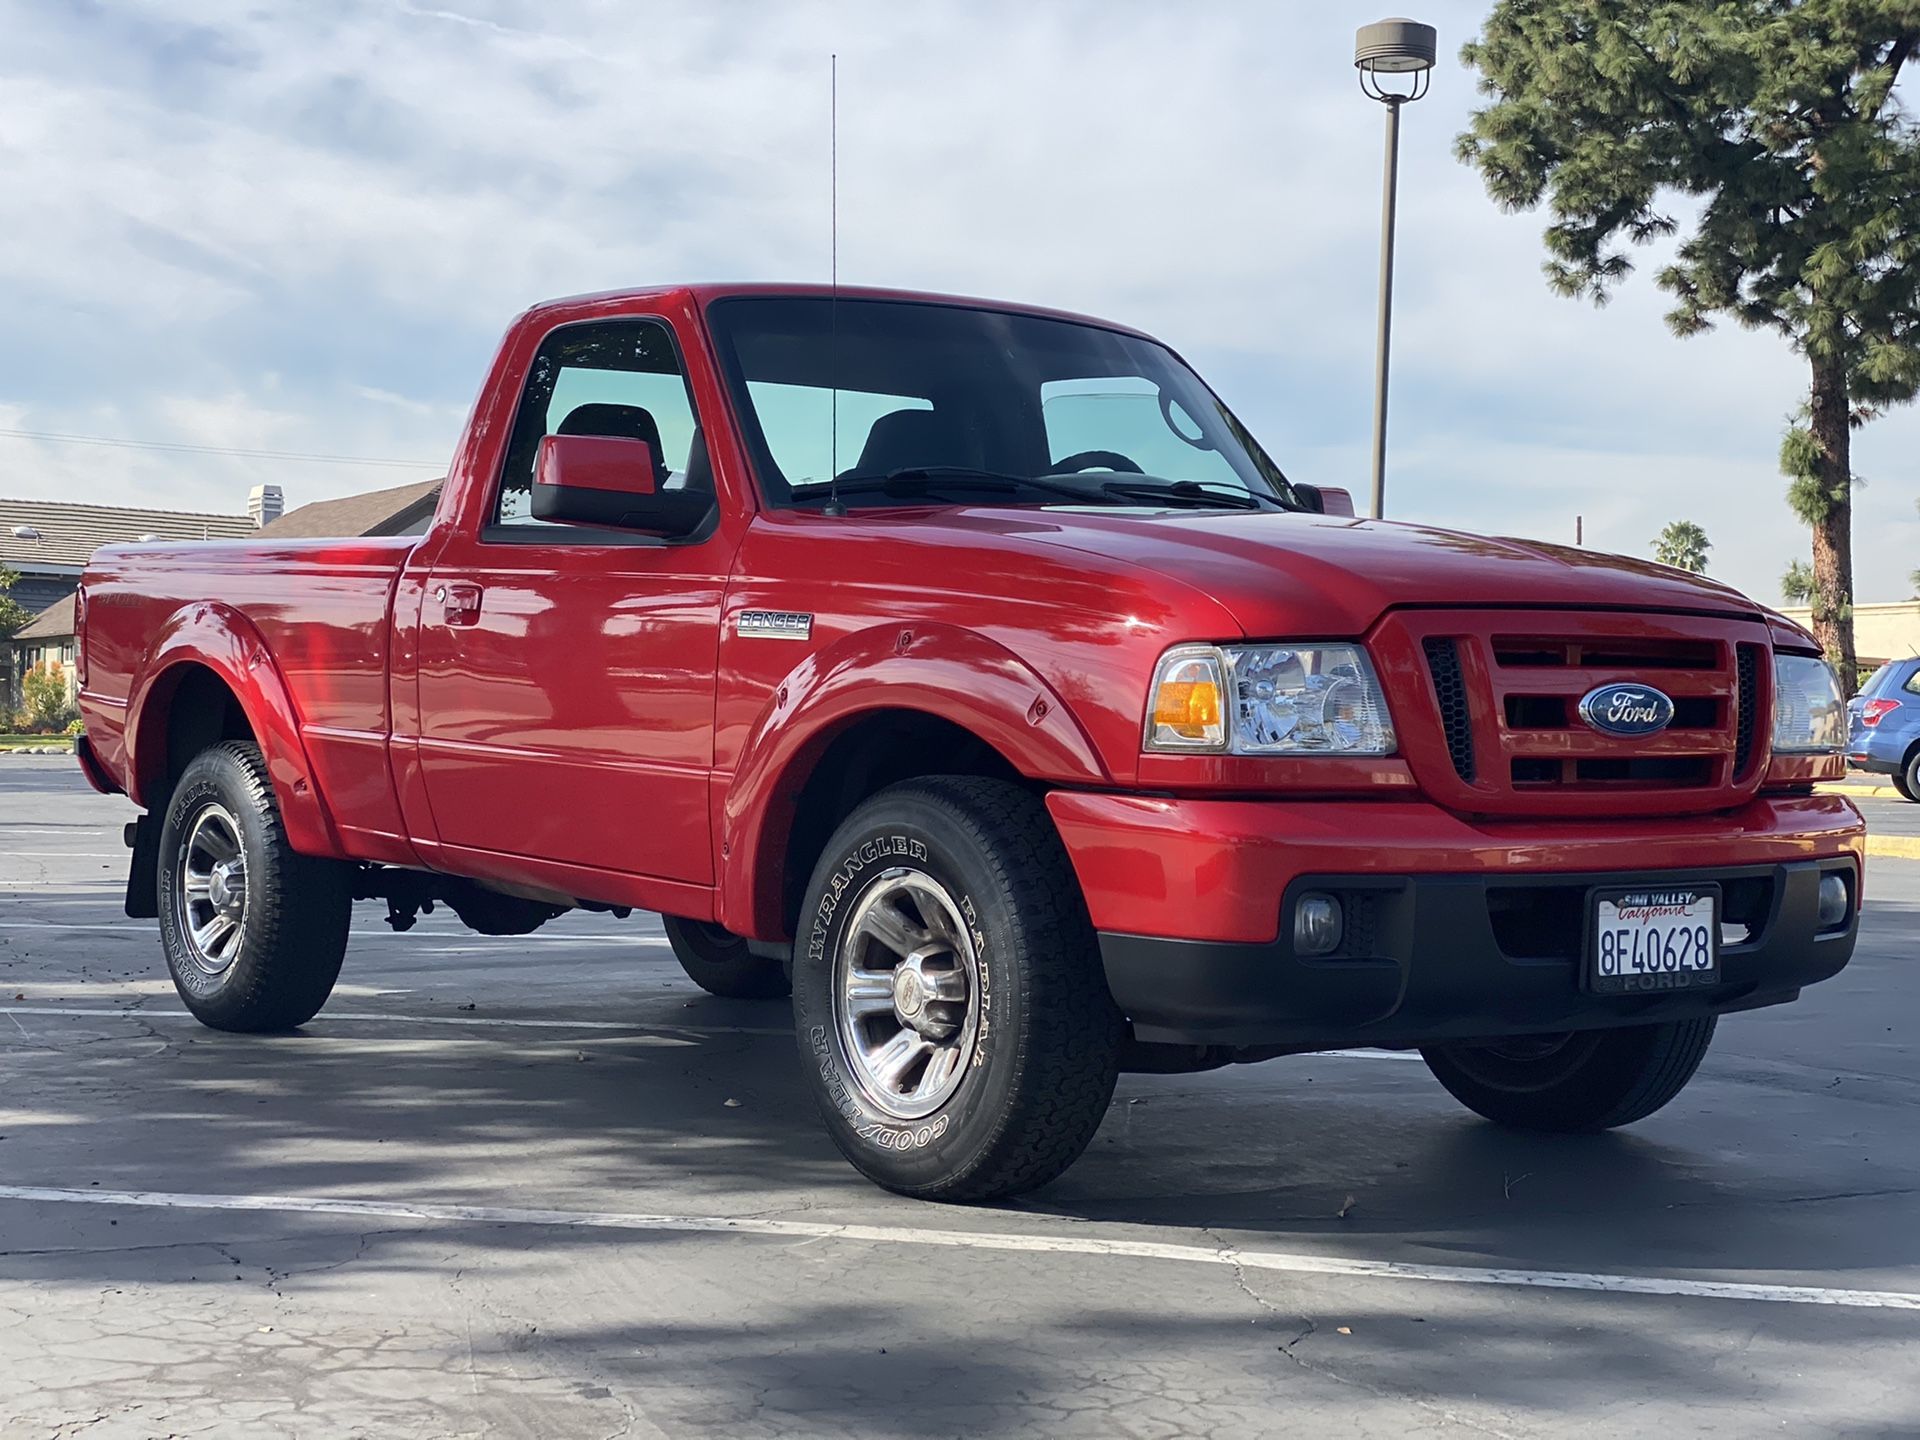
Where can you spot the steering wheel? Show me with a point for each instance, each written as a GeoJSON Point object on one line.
{"type": "Point", "coordinates": [1095, 459]}
{"type": "Point", "coordinates": [1200, 441]}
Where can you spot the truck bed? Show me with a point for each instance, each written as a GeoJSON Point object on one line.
{"type": "Point", "coordinates": [318, 610]}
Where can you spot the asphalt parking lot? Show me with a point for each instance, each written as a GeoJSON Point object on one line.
{"type": "Point", "coordinates": [545, 1187]}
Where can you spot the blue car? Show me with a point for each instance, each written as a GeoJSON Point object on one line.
{"type": "Point", "coordinates": [1883, 725]}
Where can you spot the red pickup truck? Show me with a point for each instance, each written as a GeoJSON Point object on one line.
{"type": "Point", "coordinates": [969, 669]}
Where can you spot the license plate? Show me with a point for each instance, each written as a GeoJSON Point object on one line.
{"type": "Point", "coordinates": [1646, 941]}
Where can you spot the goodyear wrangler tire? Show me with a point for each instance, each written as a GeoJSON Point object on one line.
{"type": "Point", "coordinates": [1587, 1081]}
{"type": "Point", "coordinates": [952, 1015]}
{"type": "Point", "coordinates": [253, 932]}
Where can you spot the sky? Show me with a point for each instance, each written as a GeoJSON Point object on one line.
{"type": "Point", "coordinates": [302, 228]}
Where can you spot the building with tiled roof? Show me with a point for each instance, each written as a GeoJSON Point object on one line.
{"type": "Point", "coordinates": [402, 510]}
{"type": "Point", "coordinates": [49, 541]}
{"type": "Point", "coordinates": [47, 639]}
{"type": "Point", "coordinates": [61, 537]}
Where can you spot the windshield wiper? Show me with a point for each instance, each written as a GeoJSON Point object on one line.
{"type": "Point", "coordinates": [1193, 492]}
{"type": "Point", "coordinates": [912, 480]}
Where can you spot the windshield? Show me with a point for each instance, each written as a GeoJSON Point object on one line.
{"type": "Point", "coordinates": [893, 399]}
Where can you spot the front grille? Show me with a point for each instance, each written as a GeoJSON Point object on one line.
{"type": "Point", "coordinates": [1747, 718]}
{"type": "Point", "coordinates": [1509, 737]}
{"type": "Point", "coordinates": [1676, 770]}
{"type": "Point", "coordinates": [1443, 664]}
{"type": "Point", "coordinates": [1521, 651]}
{"type": "Point", "coordinates": [1553, 712]}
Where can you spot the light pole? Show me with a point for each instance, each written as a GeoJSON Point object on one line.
{"type": "Point", "coordinates": [1385, 49]}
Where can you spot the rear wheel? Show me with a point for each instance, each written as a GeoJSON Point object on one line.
{"type": "Point", "coordinates": [1588, 1080]}
{"type": "Point", "coordinates": [1907, 779]}
{"type": "Point", "coordinates": [253, 932]}
{"type": "Point", "coordinates": [719, 962]}
{"type": "Point", "coordinates": [953, 1018]}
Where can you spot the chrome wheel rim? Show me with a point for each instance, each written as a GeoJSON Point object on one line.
{"type": "Point", "coordinates": [210, 890]}
{"type": "Point", "coordinates": [906, 995]}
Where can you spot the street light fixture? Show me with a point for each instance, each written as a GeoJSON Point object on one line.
{"type": "Point", "coordinates": [1381, 52]}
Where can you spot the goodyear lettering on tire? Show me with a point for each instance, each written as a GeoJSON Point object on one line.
{"type": "Point", "coordinates": [887, 1137]}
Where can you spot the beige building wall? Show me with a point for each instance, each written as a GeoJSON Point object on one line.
{"type": "Point", "coordinates": [1880, 632]}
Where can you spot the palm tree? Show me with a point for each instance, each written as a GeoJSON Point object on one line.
{"type": "Point", "coordinates": [1684, 546]}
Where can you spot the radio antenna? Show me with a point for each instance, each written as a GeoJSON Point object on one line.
{"type": "Point", "coordinates": [833, 505]}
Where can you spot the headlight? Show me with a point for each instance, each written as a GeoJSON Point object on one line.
{"type": "Point", "coordinates": [1268, 700]}
{"type": "Point", "coordinates": [1808, 716]}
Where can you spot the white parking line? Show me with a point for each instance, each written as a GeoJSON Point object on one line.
{"type": "Point", "coordinates": [1078, 1244]}
{"type": "Point", "coordinates": [71, 925]}
{"type": "Point", "coordinates": [146, 928]}
{"type": "Point", "coordinates": [501, 1022]}
{"type": "Point", "coordinates": [372, 1017]}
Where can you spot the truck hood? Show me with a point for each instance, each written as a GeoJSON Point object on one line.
{"type": "Point", "coordinates": [1288, 574]}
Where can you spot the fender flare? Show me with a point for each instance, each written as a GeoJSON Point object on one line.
{"type": "Point", "coordinates": [943, 671]}
{"type": "Point", "coordinates": [215, 637]}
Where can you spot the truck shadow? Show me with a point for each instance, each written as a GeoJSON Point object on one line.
{"type": "Point", "coordinates": [639, 1122]}
{"type": "Point", "coordinates": [686, 1116]}
{"type": "Point", "coordinates": [1765, 1163]}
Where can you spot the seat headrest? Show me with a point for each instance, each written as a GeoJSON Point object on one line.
{"type": "Point", "coordinates": [905, 438]}
{"type": "Point", "coordinates": [618, 422]}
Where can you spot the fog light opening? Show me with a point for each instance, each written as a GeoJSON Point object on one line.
{"type": "Point", "coordinates": [1318, 925]}
{"type": "Point", "coordinates": [1835, 903]}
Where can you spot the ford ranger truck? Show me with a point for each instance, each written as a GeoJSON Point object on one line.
{"type": "Point", "coordinates": [969, 670]}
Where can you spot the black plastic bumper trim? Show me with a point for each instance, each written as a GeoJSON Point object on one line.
{"type": "Point", "coordinates": [1434, 969]}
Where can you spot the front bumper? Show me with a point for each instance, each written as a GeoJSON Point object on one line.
{"type": "Point", "coordinates": [1457, 929]}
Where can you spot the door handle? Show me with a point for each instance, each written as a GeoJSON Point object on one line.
{"type": "Point", "coordinates": [459, 602]}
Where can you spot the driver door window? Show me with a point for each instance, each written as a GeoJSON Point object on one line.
{"type": "Point", "coordinates": [620, 378]}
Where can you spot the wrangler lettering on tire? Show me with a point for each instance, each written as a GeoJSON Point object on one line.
{"type": "Point", "coordinates": [952, 1014]}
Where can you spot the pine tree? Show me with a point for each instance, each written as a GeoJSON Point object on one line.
{"type": "Point", "coordinates": [1777, 120]}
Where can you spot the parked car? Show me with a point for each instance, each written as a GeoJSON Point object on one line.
{"type": "Point", "coordinates": [972, 670]}
{"type": "Point", "coordinates": [1883, 725]}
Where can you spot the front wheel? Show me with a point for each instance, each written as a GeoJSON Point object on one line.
{"type": "Point", "coordinates": [953, 1018]}
{"type": "Point", "coordinates": [1586, 1081]}
{"type": "Point", "coordinates": [253, 931]}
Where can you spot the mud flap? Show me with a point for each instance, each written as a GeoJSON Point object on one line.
{"type": "Point", "coordinates": [143, 876]}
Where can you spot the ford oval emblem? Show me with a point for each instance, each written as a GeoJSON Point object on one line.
{"type": "Point", "coordinates": [1621, 709]}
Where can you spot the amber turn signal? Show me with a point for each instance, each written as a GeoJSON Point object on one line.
{"type": "Point", "coordinates": [1187, 710]}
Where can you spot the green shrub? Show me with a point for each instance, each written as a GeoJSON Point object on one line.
{"type": "Point", "coordinates": [43, 690]}
{"type": "Point", "coordinates": [76, 727]}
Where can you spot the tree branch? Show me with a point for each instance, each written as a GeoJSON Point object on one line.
{"type": "Point", "coordinates": [1896, 57]}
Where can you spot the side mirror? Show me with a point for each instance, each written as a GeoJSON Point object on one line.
{"type": "Point", "coordinates": [611, 482]}
{"type": "Point", "coordinates": [1326, 499]}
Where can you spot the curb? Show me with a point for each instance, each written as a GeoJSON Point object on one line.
{"type": "Point", "coordinates": [1894, 847]}
{"type": "Point", "coordinates": [1873, 792]}
{"type": "Point", "coordinates": [36, 750]}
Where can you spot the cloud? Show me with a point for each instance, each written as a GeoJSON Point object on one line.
{"type": "Point", "coordinates": [303, 228]}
